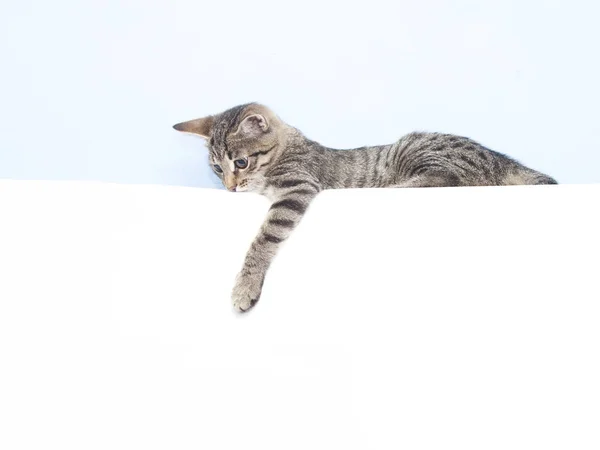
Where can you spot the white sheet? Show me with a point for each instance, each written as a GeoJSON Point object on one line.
{"type": "Point", "coordinates": [427, 318]}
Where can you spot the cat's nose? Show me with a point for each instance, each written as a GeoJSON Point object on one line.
{"type": "Point", "coordinates": [231, 188]}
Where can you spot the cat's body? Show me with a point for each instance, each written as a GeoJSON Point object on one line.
{"type": "Point", "coordinates": [251, 149]}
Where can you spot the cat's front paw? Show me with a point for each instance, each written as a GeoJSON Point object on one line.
{"type": "Point", "coordinates": [246, 291]}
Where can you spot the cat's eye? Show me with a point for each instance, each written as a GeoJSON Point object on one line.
{"type": "Point", "coordinates": [218, 168]}
{"type": "Point", "coordinates": [241, 163]}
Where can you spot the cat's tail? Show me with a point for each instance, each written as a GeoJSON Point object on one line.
{"type": "Point", "coordinates": [544, 179]}
{"type": "Point", "coordinates": [529, 177]}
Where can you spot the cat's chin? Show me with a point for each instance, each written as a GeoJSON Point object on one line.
{"type": "Point", "coordinates": [248, 187]}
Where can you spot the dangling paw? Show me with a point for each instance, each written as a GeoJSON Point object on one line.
{"type": "Point", "coordinates": [246, 291]}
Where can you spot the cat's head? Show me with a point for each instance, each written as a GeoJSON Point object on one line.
{"type": "Point", "coordinates": [242, 143]}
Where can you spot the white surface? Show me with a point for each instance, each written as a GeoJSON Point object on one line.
{"type": "Point", "coordinates": [433, 318]}
{"type": "Point", "coordinates": [90, 89]}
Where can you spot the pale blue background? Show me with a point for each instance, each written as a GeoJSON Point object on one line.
{"type": "Point", "coordinates": [89, 90]}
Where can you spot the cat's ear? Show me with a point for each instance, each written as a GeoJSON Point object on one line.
{"type": "Point", "coordinates": [201, 127]}
{"type": "Point", "coordinates": [253, 125]}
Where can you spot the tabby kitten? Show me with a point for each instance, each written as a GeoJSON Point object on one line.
{"type": "Point", "coordinates": [251, 149]}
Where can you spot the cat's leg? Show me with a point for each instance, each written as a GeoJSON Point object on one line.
{"type": "Point", "coordinates": [282, 218]}
{"type": "Point", "coordinates": [433, 179]}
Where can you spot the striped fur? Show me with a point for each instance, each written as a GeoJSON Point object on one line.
{"type": "Point", "coordinates": [291, 170]}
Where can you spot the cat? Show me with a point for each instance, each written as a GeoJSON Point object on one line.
{"type": "Point", "coordinates": [252, 149]}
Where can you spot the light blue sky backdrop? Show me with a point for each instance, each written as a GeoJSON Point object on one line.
{"type": "Point", "coordinates": [89, 90]}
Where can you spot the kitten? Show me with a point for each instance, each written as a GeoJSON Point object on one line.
{"type": "Point", "coordinates": [251, 149]}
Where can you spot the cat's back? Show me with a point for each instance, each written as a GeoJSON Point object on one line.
{"type": "Point", "coordinates": [441, 144]}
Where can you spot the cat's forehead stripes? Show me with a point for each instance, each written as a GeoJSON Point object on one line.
{"type": "Point", "coordinates": [225, 123]}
